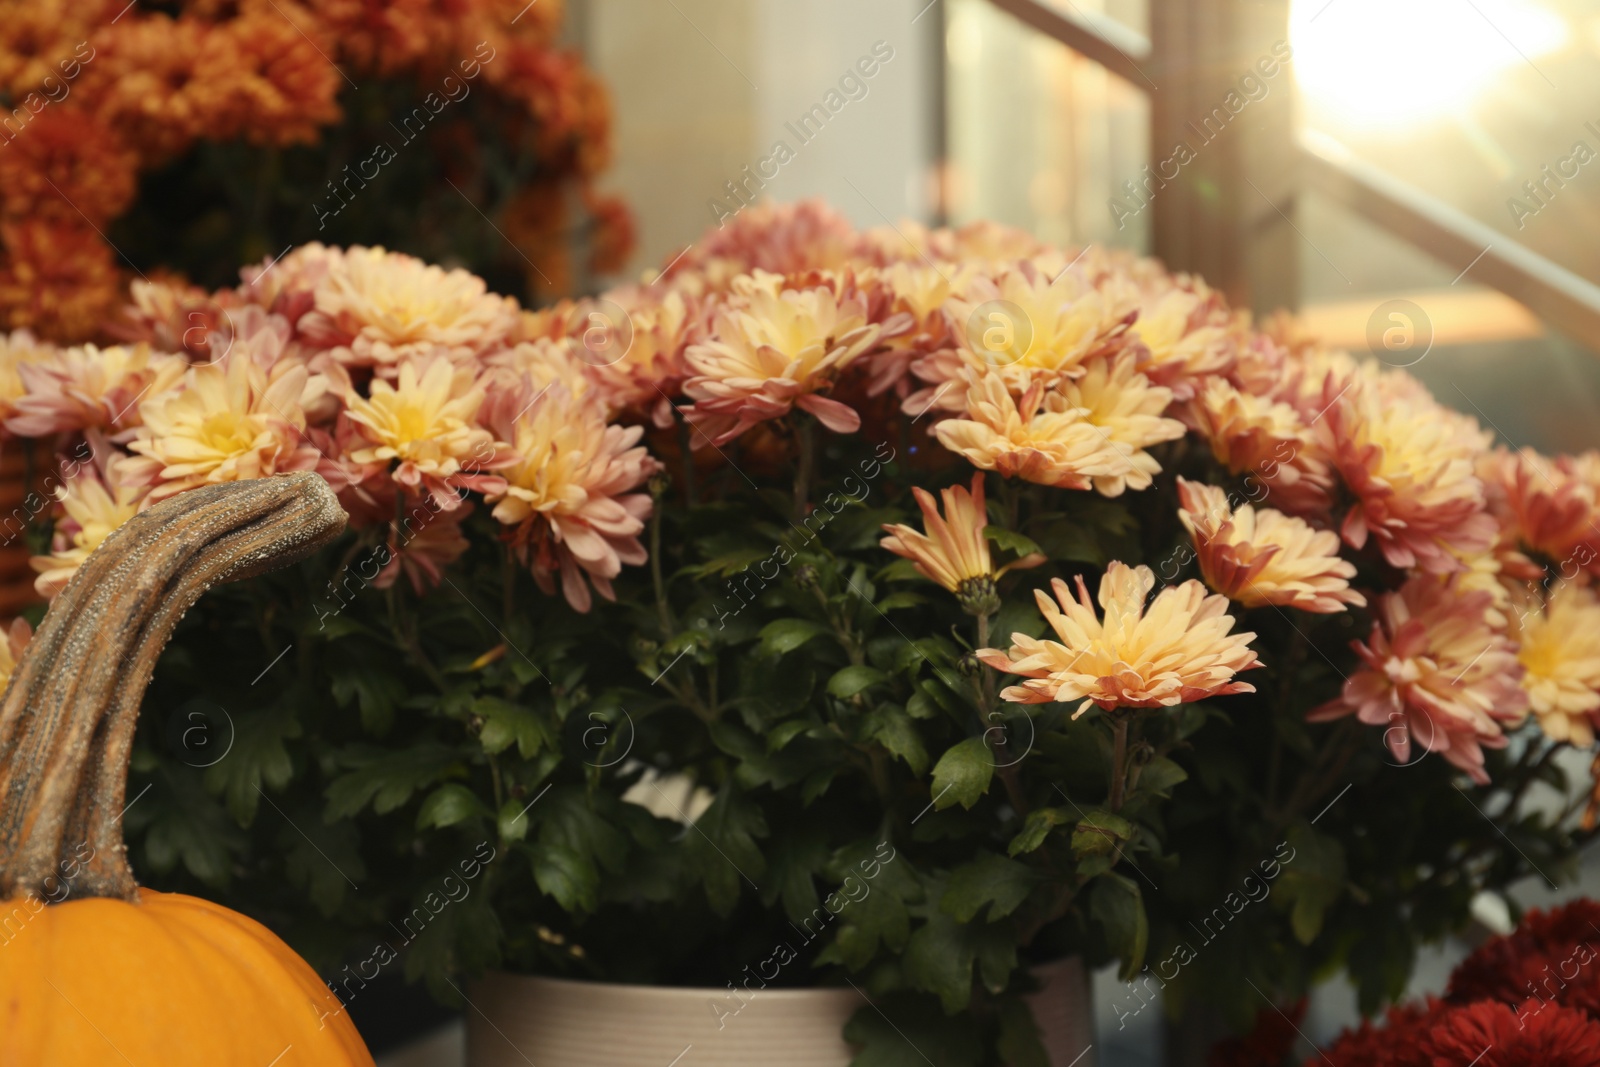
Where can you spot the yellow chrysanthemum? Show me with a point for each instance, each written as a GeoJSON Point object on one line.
{"type": "Point", "coordinates": [1093, 431]}
{"type": "Point", "coordinates": [774, 349]}
{"type": "Point", "coordinates": [1560, 652]}
{"type": "Point", "coordinates": [1178, 650]}
{"type": "Point", "coordinates": [222, 425]}
{"type": "Point", "coordinates": [1023, 326]}
{"type": "Point", "coordinates": [16, 349]}
{"type": "Point", "coordinates": [89, 512]}
{"type": "Point", "coordinates": [427, 424]}
{"type": "Point", "coordinates": [1265, 557]}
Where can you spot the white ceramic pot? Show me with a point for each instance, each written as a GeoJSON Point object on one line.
{"type": "Point", "coordinates": [518, 1021]}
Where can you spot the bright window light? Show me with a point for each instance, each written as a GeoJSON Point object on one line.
{"type": "Point", "coordinates": [1401, 62]}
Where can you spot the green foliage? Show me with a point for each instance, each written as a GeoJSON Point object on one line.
{"type": "Point", "coordinates": [788, 743]}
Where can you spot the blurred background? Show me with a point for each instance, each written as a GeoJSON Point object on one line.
{"type": "Point", "coordinates": [1420, 180]}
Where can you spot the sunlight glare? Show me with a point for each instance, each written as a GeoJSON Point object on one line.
{"type": "Point", "coordinates": [1401, 62]}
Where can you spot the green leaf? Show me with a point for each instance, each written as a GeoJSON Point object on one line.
{"type": "Point", "coordinates": [322, 859]}
{"type": "Point", "coordinates": [1000, 883]}
{"type": "Point", "coordinates": [257, 758]}
{"type": "Point", "coordinates": [375, 687]}
{"type": "Point", "coordinates": [962, 774]}
{"type": "Point", "coordinates": [723, 847]}
{"type": "Point", "coordinates": [1036, 828]}
{"type": "Point", "coordinates": [1117, 905]}
{"type": "Point", "coordinates": [852, 680]}
{"type": "Point", "coordinates": [564, 874]}
{"type": "Point", "coordinates": [1313, 878]}
{"type": "Point", "coordinates": [386, 780]}
{"type": "Point", "coordinates": [894, 730]}
{"type": "Point", "coordinates": [448, 805]}
{"type": "Point", "coordinates": [1011, 540]}
{"type": "Point", "coordinates": [505, 723]}
{"type": "Point", "coordinates": [786, 635]}
{"type": "Point", "coordinates": [1100, 832]}
{"type": "Point", "coordinates": [941, 953]}
{"type": "Point", "coordinates": [1160, 776]}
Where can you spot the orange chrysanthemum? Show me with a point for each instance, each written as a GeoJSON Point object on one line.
{"type": "Point", "coordinates": [1265, 557]}
{"type": "Point", "coordinates": [954, 551]}
{"type": "Point", "coordinates": [1176, 650]}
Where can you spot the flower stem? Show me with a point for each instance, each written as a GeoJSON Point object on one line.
{"type": "Point", "coordinates": [655, 572]}
{"type": "Point", "coordinates": [805, 439]}
{"type": "Point", "coordinates": [1119, 758]}
{"type": "Point", "coordinates": [685, 434]}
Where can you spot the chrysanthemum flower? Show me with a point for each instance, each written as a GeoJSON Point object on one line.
{"type": "Point", "coordinates": [1524, 963]}
{"type": "Point", "coordinates": [1189, 333]}
{"type": "Point", "coordinates": [16, 349]}
{"type": "Point", "coordinates": [919, 290]}
{"type": "Point", "coordinates": [1073, 435]}
{"type": "Point", "coordinates": [1549, 506]}
{"type": "Point", "coordinates": [776, 238]}
{"type": "Point", "coordinates": [85, 387]}
{"type": "Point", "coordinates": [1043, 438]}
{"type": "Point", "coordinates": [568, 496]}
{"type": "Point", "coordinates": [67, 163]}
{"type": "Point", "coordinates": [1493, 1034]}
{"type": "Point", "coordinates": [221, 425]}
{"type": "Point", "coordinates": [774, 349]}
{"type": "Point", "coordinates": [1176, 650]}
{"type": "Point", "coordinates": [1437, 673]}
{"type": "Point", "coordinates": [1560, 652]}
{"type": "Point", "coordinates": [427, 423]}
{"type": "Point", "coordinates": [422, 551]}
{"type": "Point", "coordinates": [1410, 464]}
{"type": "Point", "coordinates": [91, 507]}
{"type": "Point", "coordinates": [954, 551]}
{"type": "Point", "coordinates": [1034, 328]}
{"type": "Point", "coordinates": [1265, 557]}
{"type": "Point", "coordinates": [1266, 438]}
{"type": "Point", "coordinates": [57, 280]}
{"type": "Point", "coordinates": [377, 308]}
{"type": "Point", "coordinates": [649, 373]}
{"type": "Point", "coordinates": [17, 638]}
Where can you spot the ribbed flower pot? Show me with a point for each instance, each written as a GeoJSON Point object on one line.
{"type": "Point", "coordinates": [515, 1020]}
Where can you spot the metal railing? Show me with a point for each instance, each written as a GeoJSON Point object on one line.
{"type": "Point", "coordinates": [1570, 303]}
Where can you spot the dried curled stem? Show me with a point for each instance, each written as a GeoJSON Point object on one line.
{"type": "Point", "coordinates": [67, 718]}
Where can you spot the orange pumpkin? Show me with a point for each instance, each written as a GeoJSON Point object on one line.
{"type": "Point", "coordinates": [93, 969]}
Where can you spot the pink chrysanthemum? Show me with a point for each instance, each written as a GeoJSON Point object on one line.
{"type": "Point", "coordinates": [568, 496]}
{"type": "Point", "coordinates": [1409, 462]}
{"type": "Point", "coordinates": [86, 387]}
{"type": "Point", "coordinates": [1437, 672]}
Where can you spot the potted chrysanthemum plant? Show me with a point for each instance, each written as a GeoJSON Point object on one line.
{"type": "Point", "coordinates": [838, 641]}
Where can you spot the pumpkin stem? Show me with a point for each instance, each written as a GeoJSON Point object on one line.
{"type": "Point", "coordinates": [67, 717]}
